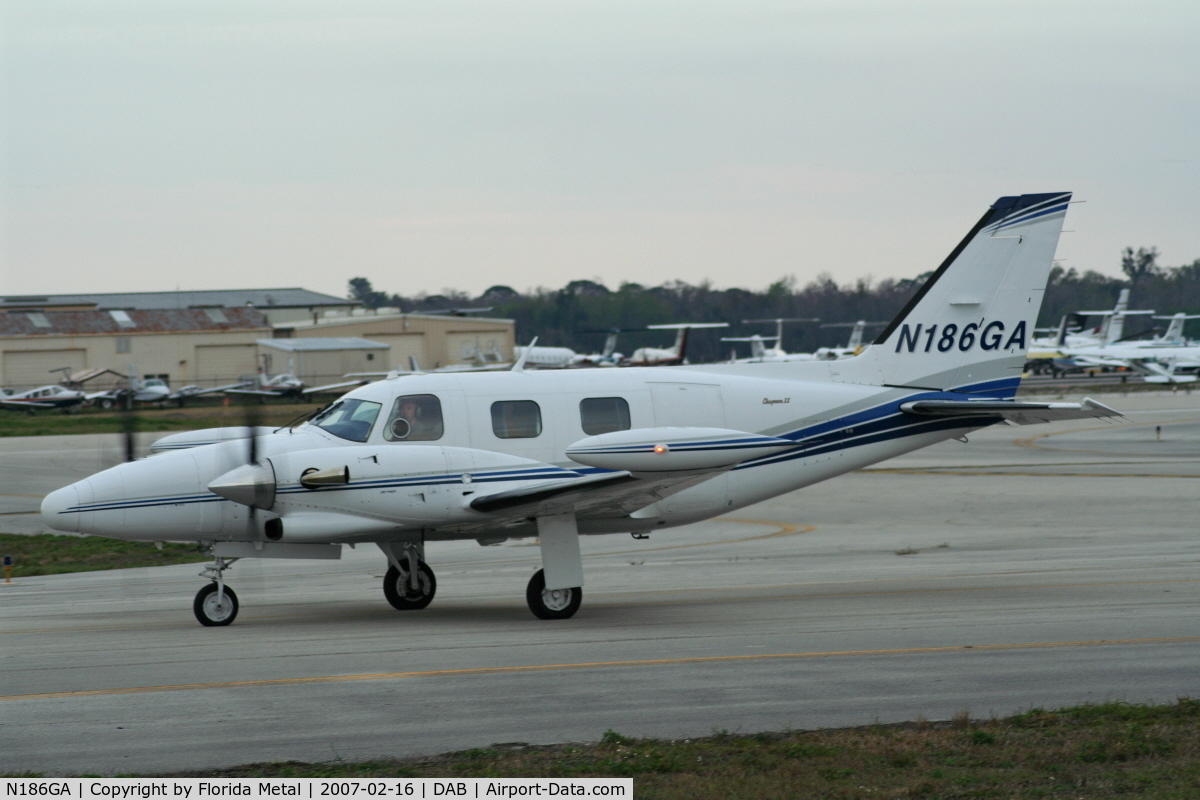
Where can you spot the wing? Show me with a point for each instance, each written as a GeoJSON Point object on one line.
{"type": "Point", "coordinates": [1010, 410]}
{"type": "Point", "coordinates": [610, 495]}
{"type": "Point", "coordinates": [25, 404]}
{"type": "Point", "coordinates": [344, 386]}
{"type": "Point", "coordinates": [196, 392]}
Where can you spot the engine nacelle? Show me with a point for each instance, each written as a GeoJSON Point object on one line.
{"type": "Point", "coordinates": [189, 439]}
{"type": "Point", "coordinates": [368, 490]}
{"type": "Point", "coordinates": [673, 449]}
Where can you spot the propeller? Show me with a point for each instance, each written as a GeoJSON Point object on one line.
{"type": "Point", "coordinates": [253, 483]}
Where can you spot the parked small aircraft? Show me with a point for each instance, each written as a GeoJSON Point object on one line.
{"type": "Point", "coordinates": [150, 390]}
{"type": "Point", "coordinates": [288, 387]}
{"type": "Point", "coordinates": [676, 353]}
{"type": "Point", "coordinates": [191, 391]}
{"type": "Point", "coordinates": [52, 396]}
{"type": "Point", "coordinates": [412, 460]}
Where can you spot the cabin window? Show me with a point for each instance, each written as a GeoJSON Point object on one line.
{"type": "Point", "coordinates": [516, 419]}
{"type": "Point", "coordinates": [603, 415]}
{"type": "Point", "coordinates": [349, 419]}
{"type": "Point", "coordinates": [414, 418]}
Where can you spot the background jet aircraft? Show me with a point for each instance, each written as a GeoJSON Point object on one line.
{"type": "Point", "coordinates": [759, 351]}
{"type": "Point", "coordinates": [854, 344]}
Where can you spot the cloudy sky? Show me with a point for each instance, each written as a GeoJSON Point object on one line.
{"type": "Point", "coordinates": [162, 144]}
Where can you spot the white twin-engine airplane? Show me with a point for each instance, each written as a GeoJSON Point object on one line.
{"type": "Point", "coordinates": [408, 461]}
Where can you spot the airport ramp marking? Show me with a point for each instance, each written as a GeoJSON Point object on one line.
{"type": "Point", "coordinates": [653, 662]}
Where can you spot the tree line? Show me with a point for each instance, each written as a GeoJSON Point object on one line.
{"type": "Point", "coordinates": [579, 314]}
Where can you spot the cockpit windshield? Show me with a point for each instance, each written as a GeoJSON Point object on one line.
{"type": "Point", "coordinates": [348, 419]}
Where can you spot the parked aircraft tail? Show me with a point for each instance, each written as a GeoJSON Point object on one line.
{"type": "Point", "coordinates": [969, 327]}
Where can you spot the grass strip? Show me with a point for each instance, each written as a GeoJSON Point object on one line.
{"type": "Point", "coordinates": [1113, 749]}
{"type": "Point", "coordinates": [48, 554]}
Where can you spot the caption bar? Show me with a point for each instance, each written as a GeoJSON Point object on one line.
{"type": "Point", "coordinates": [314, 788]}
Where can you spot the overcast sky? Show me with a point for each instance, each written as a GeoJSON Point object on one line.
{"type": "Point", "coordinates": [162, 144]}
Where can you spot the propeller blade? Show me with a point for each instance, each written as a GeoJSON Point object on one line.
{"type": "Point", "coordinates": [128, 427]}
{"type": "Point", "coordinates": [251, 421]}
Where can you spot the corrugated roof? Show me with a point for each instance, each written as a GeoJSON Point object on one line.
{"type": "Point", "coordinates": [323, 343]}
{"type": "Point", "coordinates": [221, 298]}
{"type": "Point", "coordinates": [365, 318]}
{"type": "Point", "coordinates": [23, 323]}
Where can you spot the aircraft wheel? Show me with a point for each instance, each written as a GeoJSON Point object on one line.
{"type": "Point", "coordinates": [212, 610]}
{"type": "Point", "coordinates": [404, 597]}
{"type": "Point", "coordinates": [551, 603]}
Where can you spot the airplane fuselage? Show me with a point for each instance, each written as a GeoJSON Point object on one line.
{"type": "Point", "coordinates": [428, 484]}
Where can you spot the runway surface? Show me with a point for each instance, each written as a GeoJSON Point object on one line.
{"type": "Point", "coordinates": [1034, 566]}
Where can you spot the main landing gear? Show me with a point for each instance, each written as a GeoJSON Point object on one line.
{"type": "Point", "coordinates": [216, 604]}
{"type": "Point", "coordinates": [551, 603]}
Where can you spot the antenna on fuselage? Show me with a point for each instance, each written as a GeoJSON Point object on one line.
{"type": "Point", "coordinates": [519, 365]}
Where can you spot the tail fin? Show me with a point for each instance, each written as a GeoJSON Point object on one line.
{"type": "Point", "coordinates": [1113, 328]}
{"type": "Point", "coordinates": [1060, 339]}
{"type": "Point", "coordinates": [1174, 334]}
{"type": "Point", "coordinates": [856, 335]}
{"type": "Point", "coordinates": [968, 328]}
{"type": "Point", "coordinates": [610, 344]}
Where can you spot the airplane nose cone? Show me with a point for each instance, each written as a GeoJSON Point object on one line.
{"type": "Point", "coordinates": [56, 509]}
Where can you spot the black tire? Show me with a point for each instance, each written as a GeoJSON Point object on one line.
{"type": "Point", "coordinates": [402, 596]}
{"type": "Point", "coordinates": [551, 604]}
{"type": "Point", "coordinates": [209, 612]}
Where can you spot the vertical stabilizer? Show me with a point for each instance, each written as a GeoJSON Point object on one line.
{"type": "Point", "coordinates": [1114, 326]}
{"type": "Point", "coordinates": [969, 327]}
{"type": "Point", "coordinates": [856, 335]}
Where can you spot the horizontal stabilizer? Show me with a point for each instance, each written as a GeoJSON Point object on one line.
{"type": "Point", "coordinates": [1010, 410]}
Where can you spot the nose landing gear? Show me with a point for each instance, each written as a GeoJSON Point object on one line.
{"type": "Point", "coordinates": [216, 604]}
{"type": "Point", "coordinates": [409, 583]}
{"type": "Point", "coordinates": [405, 593]}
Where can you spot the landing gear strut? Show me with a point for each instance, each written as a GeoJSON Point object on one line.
{"type": "Point", "coordinates": [551, 603]}
{"type": "Point", "coordinates": [409, 583]}
{"type": "Point", "coordinates": [216, 604]}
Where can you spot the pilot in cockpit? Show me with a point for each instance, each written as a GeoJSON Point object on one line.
{"type": "Point", "coordinates": [415, 418]}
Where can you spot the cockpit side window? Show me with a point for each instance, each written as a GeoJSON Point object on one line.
{"type": "Point", "coordinates": [415, 418]}
{"type": "Point", "coordinates": [349, 419]}
{"type": "Point", "coordinates": [603, 415]}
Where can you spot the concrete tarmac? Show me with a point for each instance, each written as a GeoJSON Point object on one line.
{"type": "Point", "coordinates": [1033, 566]}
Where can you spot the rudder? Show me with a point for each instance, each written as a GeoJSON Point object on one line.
{"type": "Point", "coordinates": [969, 326]}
